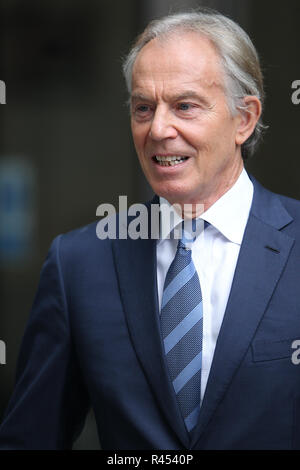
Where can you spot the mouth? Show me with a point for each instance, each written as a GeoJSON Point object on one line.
{"type": "Point", "coordinates": [170, 160]}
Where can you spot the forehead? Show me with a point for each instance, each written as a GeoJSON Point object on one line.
{"type": "Point", "coordinates": [178, 61]}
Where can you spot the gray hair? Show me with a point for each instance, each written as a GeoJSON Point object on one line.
{"type": "Point", "coordinates": [240, 61]}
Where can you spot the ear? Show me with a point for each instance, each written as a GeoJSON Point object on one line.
{"type": "Point", "coordinates": [248, 118]}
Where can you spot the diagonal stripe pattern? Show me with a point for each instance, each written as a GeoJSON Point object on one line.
{"type": "Point", "coordinates": [182, 331]}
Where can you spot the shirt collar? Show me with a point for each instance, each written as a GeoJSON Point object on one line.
{"type": "Point", "coordinates": [167, 222]}
{"type": "Point", "coordinates": [229, 214]}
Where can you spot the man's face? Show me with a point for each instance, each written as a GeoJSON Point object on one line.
{"type": "Point", "coordinates": [179, 109]}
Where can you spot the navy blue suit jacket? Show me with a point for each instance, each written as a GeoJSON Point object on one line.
{"type": "Point", "coordinates": [93, 339]}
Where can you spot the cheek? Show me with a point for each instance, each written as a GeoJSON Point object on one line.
{"type": "Point", "coordinates": [201, 135]}
{"type": "Point", "coordinates": [139, 135]}
{"type": "Point", "coordinates": [217, 140]}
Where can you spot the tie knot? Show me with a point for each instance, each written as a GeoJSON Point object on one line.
{"type": "Point", "coordinates": [184, 246]}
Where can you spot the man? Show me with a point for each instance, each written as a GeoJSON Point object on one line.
{"type": "Point", "coordinates": [174, 345]}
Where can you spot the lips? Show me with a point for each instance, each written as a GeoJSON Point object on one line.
{"type": "Point", "coordinates": [169, 160]}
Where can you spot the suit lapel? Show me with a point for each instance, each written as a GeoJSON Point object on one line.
{"type": "Point", "coordinates": [136, 267]}
{"type": "Point", "coordinates": [263, 255]}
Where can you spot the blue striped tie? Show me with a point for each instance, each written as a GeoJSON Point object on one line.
{"type": "Point", "coordinates": [182, 330]}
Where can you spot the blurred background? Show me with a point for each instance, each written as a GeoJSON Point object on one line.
{"type": "Point", "coordinates": [65, 143]}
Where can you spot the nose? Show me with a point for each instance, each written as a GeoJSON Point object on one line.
{"type": "Point", "coordinates": [162, 125]}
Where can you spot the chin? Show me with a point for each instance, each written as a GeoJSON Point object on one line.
{"type": "Point", "coordinates": [174, 195]}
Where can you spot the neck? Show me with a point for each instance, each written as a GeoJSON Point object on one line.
{"type": "Point", "coordinates": [193, 208]}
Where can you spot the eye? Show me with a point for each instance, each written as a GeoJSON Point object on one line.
{"type": "Point", "coordinates": [142, 111]}
{"type": "Point", "coordinates": [143, 108]}
{"type": "Point", "coordinates": [186, 110]}
{"type": "Point", "coordinates": [184, 106]}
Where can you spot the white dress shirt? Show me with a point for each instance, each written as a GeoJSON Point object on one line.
{"type": "Point", "coordinates": [215, 252]}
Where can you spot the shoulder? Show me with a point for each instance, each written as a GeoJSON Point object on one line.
{"type": "Point", "coordinates": [287, 201]}
{"type": "Point", "coordinates": [114, 226]}
{"type": "Point", "coordinates": [79, 246]}
{"type": "Point", "coordinates": [275, 209]}
{"type": "Point", "coordinates": [291, 204]}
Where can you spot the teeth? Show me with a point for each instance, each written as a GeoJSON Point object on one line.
{"type": "Point", "coordinates": [170, 161]}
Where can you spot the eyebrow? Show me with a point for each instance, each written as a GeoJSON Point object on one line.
{"type": "Point", "coordinates": [139, 97]}
{"type": "Point", "coordinates": [175, 97]}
